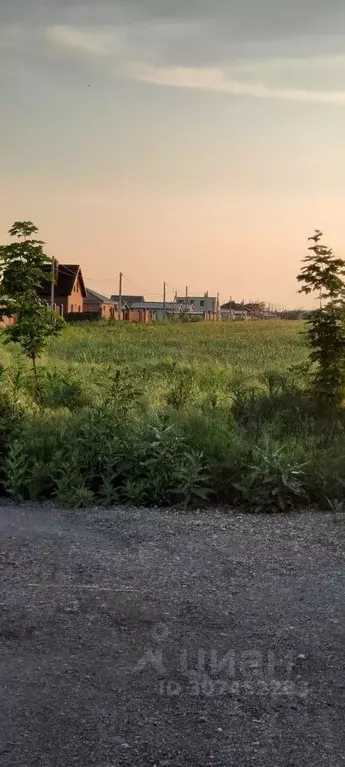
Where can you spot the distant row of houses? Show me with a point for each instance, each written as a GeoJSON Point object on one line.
{"type": "Point", "coordinates": [206, 307]}
{"type": "Point", "coordinates": [197, 306]}
{"type": "Point", "coordinates": [74, 300]}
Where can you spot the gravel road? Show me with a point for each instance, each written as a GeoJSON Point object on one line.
{"type": "Point", "coordinates": [135, 637]}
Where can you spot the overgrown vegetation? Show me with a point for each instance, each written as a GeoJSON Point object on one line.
{"type": "Point", "coordinates": [323, 274]}
{"type": "Point", "coordinates": [22, 273]}
{"type": "Point", "coordinates": [186, 414]}
{"type": "Point", "coordinates": [191, 415]}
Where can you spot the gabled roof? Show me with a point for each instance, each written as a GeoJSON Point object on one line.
{"type": "Point", "coordinates": [182, 299]}
{"type": "Point", "coordinates": [156, 305]}
{"type": "Point", "coordinates": [92, 295]}
{"type": "Point", "coordinates": [128, 299]}
{"type": "Point", "coordinates": [255, 304]}
{"type": "Point", "coordinates": [235, 307]}
{"type": "Point", "coordinates": [65, 277]}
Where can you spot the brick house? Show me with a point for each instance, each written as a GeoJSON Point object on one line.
{"type": "Point", "coordinates": [137, 315]}
{"type": "Point", "coordinates": [69, 288]}
{"type": "Point", "coordinates": [96, 303]}
{"type": "Point", "coordinates": [134, 309]}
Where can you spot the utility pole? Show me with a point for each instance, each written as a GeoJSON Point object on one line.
{"type": "Point", "coordinates": [217, 306]}
{"type": "Point", "coordinates": [164, 299]}
{"type": "Point", "coordinates": [52, 285]}
{"type": "Point", "coordinates": [206, 305]}
{"type": "Point", "coordinates": [120, 296]}
{"type": "Point", "coordinates": [186, 299]}
{"type": "Point", "coordinates": [230, 308]}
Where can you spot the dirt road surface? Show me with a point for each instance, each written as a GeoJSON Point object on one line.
{"type": "Point", "coordinates": [135, 637]}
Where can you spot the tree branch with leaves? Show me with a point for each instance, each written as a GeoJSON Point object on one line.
{"type": "Point", "coordinates": [323, 273]}
{"type": "Point", "coordinates": [22, 273]}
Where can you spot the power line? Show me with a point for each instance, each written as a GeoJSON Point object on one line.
{"type": "Point", "coordinates": [174, 290]}
{"type": "Point", "coordinates": [101, 279]}
{"type": "Point", "coordinates": [66, 270]}
{"type": "Point", "coordinates": [130, 282]}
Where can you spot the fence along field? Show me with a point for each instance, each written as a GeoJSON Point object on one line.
{"type": "Point", "coordinates": [187, 414]}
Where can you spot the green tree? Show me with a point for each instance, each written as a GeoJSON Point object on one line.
{"type": "Point", "coordinates": [22, 272]}
{"type": "Point", "coordinates": [323, 274]}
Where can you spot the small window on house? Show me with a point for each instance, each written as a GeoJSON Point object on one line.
{"type": "Point", "coordinates": [202, 303]}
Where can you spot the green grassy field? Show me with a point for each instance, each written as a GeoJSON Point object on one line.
{"type": "Point", "coordinates": [169, 413]}
{"type": "Point", "coordinates": [212, 353]}
{"type": "Point", "coordinates": [247, 346]}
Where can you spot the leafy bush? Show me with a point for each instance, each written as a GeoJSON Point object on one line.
{"type": "Point", "coordinates": [165, 469]}
{"type": "Point", "coordinates": [17, 470]}
{"type": "Point", "coordinates": [224, 449]}
{"type": "Point", "coordinates": [272, 483]}
{"type": "Point", "coordinates": [91, 457]}
{"type": "Point", "coordinates": [123, 390]}
{"type": "Point", "coordinates": [86, 458]}
{"type": "Point", "coordinates": [192, 482]}
{"type": "Point", "coordinates": [9, 418]}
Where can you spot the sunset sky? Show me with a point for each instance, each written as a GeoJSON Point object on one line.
{"type": "Point", "coordinates": [197, 142]}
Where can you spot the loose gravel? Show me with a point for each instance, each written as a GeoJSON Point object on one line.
{"type": "Point", "coordinates": [145, 637]}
